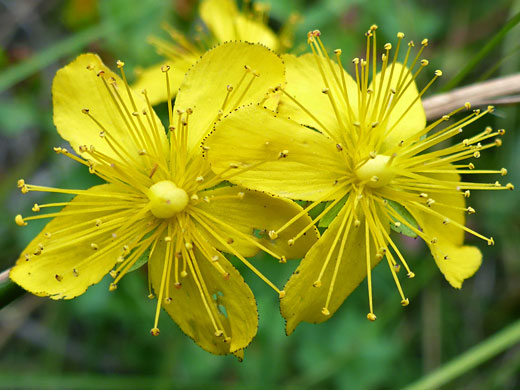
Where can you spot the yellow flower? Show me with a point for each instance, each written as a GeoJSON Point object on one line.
{"type": "Point", "coordinates": [372, 159]}
{"type": "Point", "coordinates": [160, 199]}
{"type": "Point", "coordinates": [224, 22]}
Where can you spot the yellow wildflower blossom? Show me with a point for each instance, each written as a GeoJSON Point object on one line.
{"type": "Point", "coordinates": [365, 149]}
{"type": "Point", "coordinates": [161, 199]}
{"type": "Point", "coordinates": [224, 22]}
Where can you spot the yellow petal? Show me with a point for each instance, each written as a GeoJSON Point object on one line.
{"type": "Point", "coordinates": [206, 84]}
{"type": "Point", "coordinates": [227, 24]}
{"type": "Point", "coordinates": [258, 213]}
{"type": "Point", "coordinates": [414, 118]}
{"type": "Point", "coordinates": [230, 300]}
{"type": "Point", "coordinates": [303, 301]}
{"type": "Point", "coordinates": [67, 264]}
{"type": "Point", "coordinates": [305, 83]}
{"type": "Point", "coordinates": [300, 163]}
{"type": "Point", "coordinates": [77, 87]}
{"type": "Point", "coordinates": [462, 261]}
{"type": "Point", "coordinates": [153, 79]}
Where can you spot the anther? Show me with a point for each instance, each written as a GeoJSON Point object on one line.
{"type": "Point", "coordinates": [283, 260]}
{"type": "Point", "coordinates": [167, 301]}
{"type": "Point", "coordinates": [423, 195]}
{"type": "Point", "coordinates": [405, 302]}
{"type": "Point", "coordinates": [337, 52]}
{"type": "Point", "coordinates": [281, 294]}
{"type": "Point", "coordinates": [429, 202]}
{"type": "Point", "coordinates": [471, 210]}
{"type": "Point", "coordinates": [194, 197]}
{"type": "Point", "coordinates": [339, 147]}
{"type": "Point", "coordinates": [226, 276]}
{"type": "Point", "coordinates": [272, 234]}
{"type": "Point", "coordinates": [467, 106]}
{"type": "Point", "coordinates": [151, 296]}
{"type": "Point", "coordinates": [75, 272]}
{"type": "Point", "coordinates": [325, 311]}
{"type": "Point", "coordinates": [357, 223]}
{"type": "Point", "coordinates": [501, 131]}
{"type": "Point", "coordinates": [476, 154]}
{"type": "Point", "coordinates": [283, 154]}
{"type": "Point", "coordinates": [58, 277]}
{"type": "Point", "coordinates": [424, 62]}
{"type": "Point", "coordinates": [177, 285]}
{"type": "Point", "coordinates": [400, 35]}
{"type": "Point", "coordinates": [446, 221]}
{"type": "Point", "coordinates": [219, 333]}
{"type": "Point", "coordinates": [325, 91]}
{"type": "Point", "coordinates": [215, 258]}
{"type": "Point", "coordinates": [183, 274]}
{"type": "Point", "coordinates": [411, 44]}
{"type": "Point", "coordinates": [290, 242]}
{"type": "Point", "coordinates": [388, 46]}
{"type": "Point", "coordinates": [19, 220]}
{"type": "Point", "coordinates": [199, 179]}
{"type": "Point", "coordinates": [498, 142]}
{"type": "Point", "coordinates": [467, 193]}
{"type": "Point", "coordinates": [113, 274]}
{"type": "Point", "coordinates": [471, 166]}
{"type": "Point", "coordinates": [188, 245]}
{"type": "Point", "coordinates": [424, 42]}
{"type": "Point", "coordinates": [397, 224]}
{"type": "Point", "coordinates": [241, 195]}
{"type": "Point", "coordinates": [165, 68]}
{"type": "Point", "coordinates": [510, 186]}
{"type": "Point", "coordinates": [94, 246]}
{"type": "Point", "coordinates": [438, 73]}
{"type": "Point", "coordinates": [317, 284]}
{"type": "Point", "coordinates": [112, 287]}
{"type": "Point", "coordinates": [155, 331]}
{"type": "Point", "coordinates": [230, 241]}
{"type": "Point", "coordinates": [411, 275]}
{"type": "Point", "coordinates": [445, 117]}
{"type": "Point", "coordinates": [47, 234]}
{"type": "Point", "coordinates": [371, 317]}
{"type": "Point", "coordinates": [491, 241]}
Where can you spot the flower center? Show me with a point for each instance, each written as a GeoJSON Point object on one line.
{"type": "Point", "coordinates": [166, 199]}
{"type": "Point", "coordinates": [376, 172]}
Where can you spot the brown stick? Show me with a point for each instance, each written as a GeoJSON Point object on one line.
{"type": "Point", "coordinates": [4, 275]}
{"type": "Point", "coordinates": [495, 91]}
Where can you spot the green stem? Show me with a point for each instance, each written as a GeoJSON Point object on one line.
{"type": "Point", "coordinates": [9, 291]}
{"type": "Point", "coordinates": [497, 38]}
{"type": "Point", "coordinates": [504, 339]}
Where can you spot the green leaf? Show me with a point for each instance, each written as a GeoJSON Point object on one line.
{"type": "Point", "coordinates": [141, 261]}
{"type": "Point", "coordinates": [404, 214]}
{"type": "Point", "coordinates": [331, 214]}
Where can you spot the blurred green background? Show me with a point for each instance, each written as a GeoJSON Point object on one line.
{"type": "Point", "coordinates": [101, 339]}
